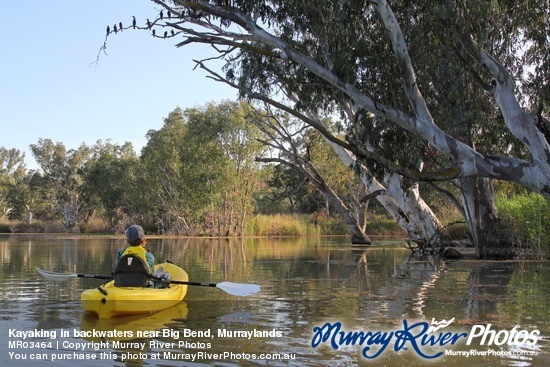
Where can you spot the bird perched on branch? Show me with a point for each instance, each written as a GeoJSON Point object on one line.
{"type": "Point", "coordinates": [134, 22]}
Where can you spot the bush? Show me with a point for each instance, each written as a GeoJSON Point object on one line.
{"type": "Point", "coordinates": [278, 225]}
{"type": "Point", "coordinates": [526, 217]}
{"type": "Point", "coordinates": [331, 226]}
{"type": "Point", "coordinates": [93, 225]}
{"type": "Point", "coordinates": [54, 227]}
{"type": "Point", "coordinates": [22, 227]}
{"type": "Point", "coordinates": [383, 226]}
{"type": "Point", "coordinates": [4, 226]}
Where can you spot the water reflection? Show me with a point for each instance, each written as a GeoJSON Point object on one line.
{"type": "Point", "coordinates": [134, 338]}
{"type": "Point", "coordinates": [305, 282]}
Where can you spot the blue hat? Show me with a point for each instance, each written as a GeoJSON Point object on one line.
{"type": "Point", "coordinates": [135, 235]}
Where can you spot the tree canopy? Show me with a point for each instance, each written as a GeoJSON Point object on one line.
{"type": "Point", "coordinates": [445, 72]}
{"type": "Point", "coordinates": [423, 90]}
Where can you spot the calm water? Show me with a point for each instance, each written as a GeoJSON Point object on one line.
{"type": "Point", "coordinates": [305, 284]}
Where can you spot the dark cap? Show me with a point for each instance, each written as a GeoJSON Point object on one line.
{"type": "Point", "coordinates": [135, 235]}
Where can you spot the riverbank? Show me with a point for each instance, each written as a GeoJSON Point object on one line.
{"type": "Point", "coordinates": [276, 225]}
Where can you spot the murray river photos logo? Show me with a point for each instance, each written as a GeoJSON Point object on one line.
{"type": "Point", "coordinates": [420, 337]}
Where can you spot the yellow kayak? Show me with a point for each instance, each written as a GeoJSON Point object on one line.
{"type": "Point", "coordinates": [109, 301]}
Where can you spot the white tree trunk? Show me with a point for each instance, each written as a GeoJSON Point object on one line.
{"type": "Point", "coordinates": [407, 207]}
{"type": "Point", "coordinates": [423, 224]}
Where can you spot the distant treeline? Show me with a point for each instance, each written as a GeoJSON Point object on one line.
{"type": "Point", "coordinates": [197, 175]}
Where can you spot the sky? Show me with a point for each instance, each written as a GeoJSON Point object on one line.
{"type": "Point", "coordinates": [52, 88]}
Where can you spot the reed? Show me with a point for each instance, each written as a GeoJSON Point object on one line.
{"type": "Point", "coordinates": [526, 216]}
{"type": "Point", "coordinates": [279, 225]}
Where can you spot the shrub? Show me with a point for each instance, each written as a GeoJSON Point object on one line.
{"type": "Point", "coordinates": [526, 217]}
{"type": "Point", "coordinates": [331, 226]}
{"type": "Point", "coordinates": [383, 226]}
{"type": "Point", "coordinates": [4, 226]}
{"type": "Point", "coordinates": [277, 225]}
{"type": "Point", "coordinates": [21, 227]}
{"type": "Point", "coordinates": [93, 225]}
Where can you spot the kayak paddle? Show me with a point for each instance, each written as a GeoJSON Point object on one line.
{"type": "Point", "coordinates": [235, 289]}
{"type": "Point", "coordinates": [61, 277]}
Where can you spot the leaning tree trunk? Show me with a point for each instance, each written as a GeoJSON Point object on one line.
{"type": "Point", "coordinates": [422, 224]}
{"type": "Point", "coordinates": [357, 232]}
{"type": "Point", "coordinates": [406, 206]}
{"type": "Point", "coordinates": [477, 196]}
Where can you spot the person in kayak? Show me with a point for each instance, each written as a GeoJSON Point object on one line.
{"type": "Point", "coordinates": [126, 275]}
{"type": "Point", "coordinates": [135, 237]}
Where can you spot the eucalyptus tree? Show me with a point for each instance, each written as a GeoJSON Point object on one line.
{"type": "Point", "coordinates": [64, 183]}
{"type": "Point", "coordinates": [26, 197]}
{"type": "Point", "coordinates": [200, 169]}
{"type": "Point", "coordinates": [395, 67]}
{"type": "Point", "coordinates": [12, 168]}
{"type": "Point", "coordinates": [298, 147]}
{"type": "Point", "coordinates": [288, 191]}
{"type": "Point", "coordinates": [162, 159]}
{"type": "Point", "coordinates": [113, 178]}
{"type": "Point", "coordinates": [222, 144]}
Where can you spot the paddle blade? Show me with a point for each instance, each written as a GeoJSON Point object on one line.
{"type": "Point", "coordinates": [238, 289]}
{"type": "Point", "coordinates": [58, 277]}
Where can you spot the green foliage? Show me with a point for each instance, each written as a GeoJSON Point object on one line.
{"type": "Point", "coordinates": [383, 226]}
{"type": "Point", "coordinates": [111, 181]}
{"type": "Point", "coordinates": [331, 227]}
{"type": "Point", "coordinates": [526, 216]}
{"type": "Point", "coordinates": [63, 182]}
{"type": "Point", "coordinates": [162, 180]}
{"type": "Point", "coordinates": [201, 170]}
{"type": "Point", "coordinates": [12, 168]}
{"type": "Point", "coordinates": [280, 225]}
{"type": "Point", "coordinates": [289, 192]}
{"type": "Point", "coordinates": [94, 225]}
{"type": "Point", "coordinates": [294, 225]}
{"type": "Point", "coordinates": [26, 197]}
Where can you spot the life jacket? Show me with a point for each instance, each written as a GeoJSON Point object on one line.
{"type": "Point", "coordinates": [136, 250]}
{"type": "Point", "coordinates": [132, 269]}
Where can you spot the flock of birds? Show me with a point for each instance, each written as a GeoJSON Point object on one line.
{"type": "Point", "coordinates": [185, 13]}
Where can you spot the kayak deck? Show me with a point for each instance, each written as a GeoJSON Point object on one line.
{"type": "Point", "coordinates": [109, 301]}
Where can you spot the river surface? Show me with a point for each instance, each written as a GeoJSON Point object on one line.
{"type": "Point", "coordinates": [387, 303]}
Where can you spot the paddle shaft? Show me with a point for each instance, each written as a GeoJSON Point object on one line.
{"type": "Point", "coordinates": [93, 276]}
{"type": "Point", "coordinates": [194, 283]}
